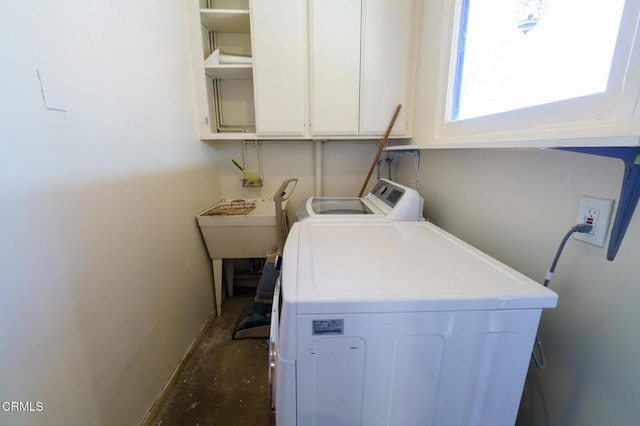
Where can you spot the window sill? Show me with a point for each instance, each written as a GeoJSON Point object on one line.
{"type": "Point", "coordinates": [588, 142]}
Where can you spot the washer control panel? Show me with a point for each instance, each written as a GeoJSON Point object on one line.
{"type": "Point", "coordinates": [389, 193]}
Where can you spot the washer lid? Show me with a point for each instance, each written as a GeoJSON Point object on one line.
{"type": "Point", "coordinates": [337, 205]}
{"type": "Point", "coordinates": [334, 267]}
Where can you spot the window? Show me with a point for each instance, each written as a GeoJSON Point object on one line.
{"type": "Point", "coordinates": [514, 54]}
{"type": "Point", "coordinates": [528, 70]}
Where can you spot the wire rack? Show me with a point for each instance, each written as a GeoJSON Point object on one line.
{"type": "Point", "coordinates": [233, 208]}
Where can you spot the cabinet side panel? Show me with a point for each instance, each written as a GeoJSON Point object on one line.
{"type": "Point", "coordinates": [387, 36]}
{"type": "Point", "coordinates": [335, 66]}
{"type": "Point", "coordinates": [197, 41]}
{"type": "Point", "coordinates": [278, 43]}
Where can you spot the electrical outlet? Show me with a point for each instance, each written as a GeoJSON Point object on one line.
{"type": "Point", "coordinates": [595, 212]}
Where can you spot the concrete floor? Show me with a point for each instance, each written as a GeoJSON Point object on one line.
{"type": "Point", "coordinates": [225, 381]}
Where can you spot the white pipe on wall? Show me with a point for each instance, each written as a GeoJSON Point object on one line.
{"type": "Point", "coordinates": [317, 168]}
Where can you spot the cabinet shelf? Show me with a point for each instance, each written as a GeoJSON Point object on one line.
{"type": "Point", "coordinates": [228, 70]}
{"type": "Point", "coordinates": [225, 20]}
{"type": "Point", "coordinates": [228, 136]}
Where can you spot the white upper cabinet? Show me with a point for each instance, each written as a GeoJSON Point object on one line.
{"type": "Point", "coordinates": [302, 69]}
{"type": "Point", "coordinates": [360, 65]}
{"type": "Point", "coordinates": [334, 66]}
{"type": "Point", "coordinates": [279, 56]}
{"type": "Point", "coordinates": [387, 47]}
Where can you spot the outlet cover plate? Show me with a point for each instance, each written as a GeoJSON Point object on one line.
{"type": "Point", "coordinates": [596, 211]}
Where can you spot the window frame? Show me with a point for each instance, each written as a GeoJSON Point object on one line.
{"type": "Point", "coordinates": [610, 113]}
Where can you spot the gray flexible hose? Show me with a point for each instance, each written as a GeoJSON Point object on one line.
{"type": "Point", "coordinates": [540, 361]}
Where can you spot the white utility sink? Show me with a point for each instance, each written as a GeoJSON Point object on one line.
{"type": "Point", "coordinates": [237, 236]}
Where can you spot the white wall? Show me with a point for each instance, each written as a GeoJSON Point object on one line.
{"type": "Point", "coordinates": [517, 206]}
{"type": "Point", "coordinates": [104, 279]}
{"type": "Point", "coordinates": [344, 167]}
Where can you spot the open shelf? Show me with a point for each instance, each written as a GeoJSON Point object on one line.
{"type": "Point", "coordinates": [225, 20]}
{"type": "Point", "coordinates": [221, 32]}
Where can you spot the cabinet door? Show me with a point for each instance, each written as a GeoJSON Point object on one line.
{"type": "Point", "coordinates": [335, 66]}
{"type": "Point", "coordinates": [279, 58]}
{"type": "Point", "coordinates": [387, 39]}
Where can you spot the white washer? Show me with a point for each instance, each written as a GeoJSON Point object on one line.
{"type": "Point", "coordinates": [398, 323]}
{"type": "Point", "coordinates": [387, 199]}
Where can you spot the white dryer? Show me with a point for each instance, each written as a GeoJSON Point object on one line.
{"type": "Point", "coordinates": [398, 323]}
{"type": "Point", "coordinates": [387, 199]}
